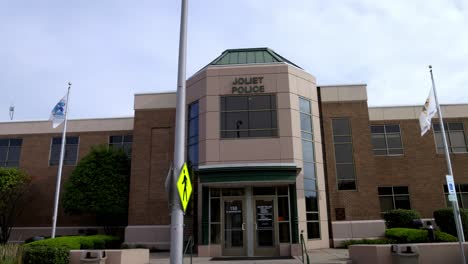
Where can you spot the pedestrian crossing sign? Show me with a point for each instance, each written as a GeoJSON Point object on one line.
{"type": "Point", "coordinates": [184, 186]}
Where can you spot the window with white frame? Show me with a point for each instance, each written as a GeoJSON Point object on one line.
{"type": "Point", "coordinates": [455, 134]}
{"type": "Point", "coordinates": [394, 197]}
{"type": "Point", "coordinates": [10, 151]}
{"type": "Point", "coordinates": [386, 140]}
{"type": "Point", "coordinates": [123, 142]}
{"type": "Point", "coordinates": [462, 195]}
{"type": "Point", "coordinates": [71, 151]}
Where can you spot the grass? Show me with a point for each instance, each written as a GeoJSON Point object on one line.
{"type": "Point", "coordinates": [11, 253]}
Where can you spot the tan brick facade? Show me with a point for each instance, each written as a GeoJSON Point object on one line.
{"type": "Point", "coordinates": [34, 160]}
{"type": "Point", "coordinates": [153, 144]}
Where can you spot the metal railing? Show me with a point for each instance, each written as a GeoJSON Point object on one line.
{"type": "Point", "coordinates": [304, 249]}
{"type": "Point", "coordinates": [190, 244]}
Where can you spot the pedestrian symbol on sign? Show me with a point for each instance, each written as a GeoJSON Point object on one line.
{"type": "Point", "coordinates": [184, 186]}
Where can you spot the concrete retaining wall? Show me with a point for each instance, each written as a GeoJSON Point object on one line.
{"type": "Point", "coordinates": [429, 253]}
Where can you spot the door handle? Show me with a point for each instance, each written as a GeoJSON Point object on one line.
{"type": "Point", "coordinates": [255, 227]}
{"type": "Point", "coordinates": [243, 226]}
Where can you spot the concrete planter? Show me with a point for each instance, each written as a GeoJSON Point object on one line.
{"type": "Point", "coordinates": [430, 253]}
{"type": "Point", "coordinates": [117, 256]}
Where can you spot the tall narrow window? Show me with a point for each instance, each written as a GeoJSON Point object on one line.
{"type": "Point", "coordinates": [308, 169]}
{"type": "Point", "coordinates": [248, 116]}
{"type": "Point", "coordinates": [386, 140]}
{"type": "Point", "coordinates": [345, 173]}
{"type": "Point", "coordinates": [71, 151]}
{"type": "Point", "coordinates": [192, 138]}
{"type": "Point", "coordinates": [10, 150]}
{"type": "Point", "coordinates": [455, 134]}
{"type": "Point", "coordinates": [122, 142]}
{"type": "Point", "coordinates": [394, 197]}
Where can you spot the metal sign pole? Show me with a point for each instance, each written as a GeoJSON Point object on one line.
{"type": "Point", "coordinates": [456, 210]}
{"type": "Point", "coordinates": [177, 215]}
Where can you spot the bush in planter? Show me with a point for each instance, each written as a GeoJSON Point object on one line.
{"type": "Point", "coordinates": [46, 255]}
{"type": "Point", "coordinates": [444, 220]}
{"type": "Point", "coordinates": [409, 235]}
{"type": "Point", "coordinates": [377, 241]}
{"type": "Point", "coordinates": [80, 242]}
{"type": "Point", "coordinates": [401, 218]}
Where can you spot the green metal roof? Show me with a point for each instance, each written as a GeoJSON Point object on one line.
{"type": "Point", "coordinates": [250, 56]}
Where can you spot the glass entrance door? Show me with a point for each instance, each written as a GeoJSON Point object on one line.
{"type": "Point", "coordinates": [234, 227]}
{"type": "Point", "coordinates": [265, 226]}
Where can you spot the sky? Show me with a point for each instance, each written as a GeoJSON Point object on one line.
{"type": "Point", "coordinates": [112, 49]}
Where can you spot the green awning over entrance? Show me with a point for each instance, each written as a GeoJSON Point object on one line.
{"type": "Point", "coordinates": [238, 173]}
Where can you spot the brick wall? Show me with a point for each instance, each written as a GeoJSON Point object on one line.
{"type": "Point", "coordinates": [361, 204]}
{"type": "Point", "coordinates": [420, 168]}
{"type": "Point", "coordinates": [153, 152]}
{"type": "Point", "coordinates": [34, 160]}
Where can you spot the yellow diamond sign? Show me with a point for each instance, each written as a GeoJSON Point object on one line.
{"type": "Point", "coordinates": [184, 186]}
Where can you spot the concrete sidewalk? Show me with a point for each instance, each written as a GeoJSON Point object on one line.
{"type": "Point", "coordinates": [317, 256]}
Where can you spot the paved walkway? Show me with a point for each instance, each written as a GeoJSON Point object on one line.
{"type": "Point", "coordinates": [317, 256]}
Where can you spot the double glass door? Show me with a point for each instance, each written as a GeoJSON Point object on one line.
{"type": "Point", "coordinates": [236, 241]}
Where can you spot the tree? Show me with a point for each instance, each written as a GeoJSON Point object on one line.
{"type": "Point", "coordinates": [99, 185]}
{"type": "Point", "coordinates": [13, 185]}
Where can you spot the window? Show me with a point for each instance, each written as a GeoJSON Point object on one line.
{"type": "Point", "coordinates": [308, 169]}
{"type": "Point", "coordinates": [455, 135]}
{"type": "Point", "coordinates": [395, 197]}
{"type": "Point", "coordinates": [345, 174]}
{"type": "Point", "coordinates": [71, 151]}
{"type": "Point", "coordinates": [248, 116]}
{"type": "Point", "coordinates": [192, 138]}
{"type": "Point", "coordinates": [10, 150]}
{"type": "Point", "coordinates": [122, 142]}
{"type": "Point", "coordinates": [462, 195]}
{"type": "Point", "coordinates": [386, 140]}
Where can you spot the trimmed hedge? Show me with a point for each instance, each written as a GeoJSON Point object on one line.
{"type": "Point", "coordinates": [408, 235]}
{"type": "Point", "coordinates": [46, 255]}
{"type": "Point", "coordinates": [377, 241]}
{"type": "Point", "coordinates": [400, 218]}
{"type": "Point", "coordinates": [444, 220]}
{"type": "Point", "coordinates": [79, 242]}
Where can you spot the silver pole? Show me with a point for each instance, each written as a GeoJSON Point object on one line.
{"type": "Point", "coordinates": [456, 210]}
{"type": "Point", "coordinates": [177, 215]}
{"type": "Point", "coordinates": [59, 173]}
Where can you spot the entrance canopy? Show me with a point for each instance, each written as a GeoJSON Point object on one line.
{"type": "Point", "coordinates": [248, 173]}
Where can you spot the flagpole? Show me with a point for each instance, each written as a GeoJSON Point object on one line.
{"type": "Point", "coordinates": [456, 210]}
{"type": "Point", "coordinates": [59, 173]}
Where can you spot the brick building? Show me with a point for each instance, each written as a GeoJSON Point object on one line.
{"type": "Point", "coordinates": [272, 156]}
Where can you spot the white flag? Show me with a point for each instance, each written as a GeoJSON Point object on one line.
{"type": "Point", "coordinates": [428, 111]}
{"type": "Point", "coordinates": [58, 112]}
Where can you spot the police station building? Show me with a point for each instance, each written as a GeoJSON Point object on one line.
{"type": "Point", "coordinates": [272, 155]}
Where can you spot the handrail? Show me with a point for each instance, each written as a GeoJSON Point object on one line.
{"type": "Point", "coordinates": [190, 244]}
{"type": "Point", "coordinates": [304, 249]}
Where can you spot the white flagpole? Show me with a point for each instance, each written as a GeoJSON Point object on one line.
{"type": "Point", "coordinates": [59, 173]}
{"type": "Point", "coordinates": [456, 210]}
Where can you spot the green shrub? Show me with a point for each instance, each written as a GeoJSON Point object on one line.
{"type": "Point", "coordinates": [408, 235]}
{"type": "Point", "coordinates": [377, 241]}
{"type": "Point", "coordinates": [80, 242]}
{"type": "Point", "coordinates": [444, 237]}
{"type": "Point", "coordinates": [46, 255]}
{"type": "Point", "coordinates": [400, 218]}
{"type": "Point", "coordinates": [444, 220]}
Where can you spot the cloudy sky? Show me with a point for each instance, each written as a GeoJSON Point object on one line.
{"type": "Point", "coordinates": [111, 49]}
